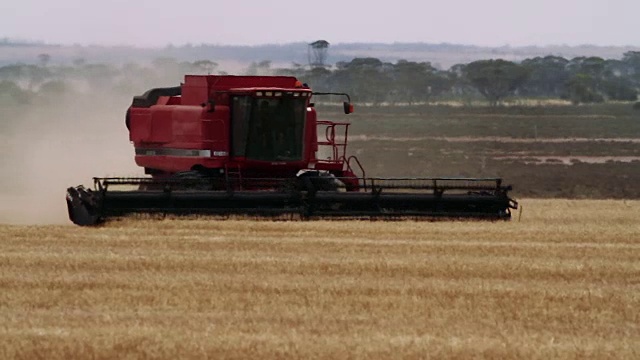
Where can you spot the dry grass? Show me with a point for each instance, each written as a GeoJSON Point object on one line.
{"type": "Point", "coordinates": [562, 283]}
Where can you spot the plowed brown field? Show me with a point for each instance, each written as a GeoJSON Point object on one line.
{"type": "Point", "coordinates": [564, 282]}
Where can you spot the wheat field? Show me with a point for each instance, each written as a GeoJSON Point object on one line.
{"type": "Point", "coordinates": [563, 282]}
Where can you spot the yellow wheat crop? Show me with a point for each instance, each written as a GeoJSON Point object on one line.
{"type": "Point", "coordinates": [564, 282]}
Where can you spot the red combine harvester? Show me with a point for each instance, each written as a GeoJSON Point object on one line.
{"type": "Point", "coordinates": [250, 145]}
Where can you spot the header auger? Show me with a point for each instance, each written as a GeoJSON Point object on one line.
{"type": "Point", "coordinates": [250, 145]}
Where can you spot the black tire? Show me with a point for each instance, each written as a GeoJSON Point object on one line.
{"type": "Point", "coordinates": [317, 181]}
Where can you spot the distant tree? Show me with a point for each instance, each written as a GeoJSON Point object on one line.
{"type": "Point", "coordinates": [318, 78]}
{"type": "Point", "coordinates": [417, 81]}
{"type": "Point", "coordinates": [495, 79]}
{"type": "Point", "coordinates": [100, 76]}
{"type": "Point", "coordinates": [460, 85]}
{"type": "Point", "coordinates": [593, 66]}
{"type": "Point", "coordinates": [632, 60]}
{"type": "Point", "coordinates": [53, 89]}
{"type": "Point", "coordinates": [137, 78]}
{"type": "Point", "coordinates": [169, 70]}
{"type": "Point", "coordinates": [296, 70]}
{"type": "Point", "coordinates": [205, 66]}
{"type": "Point", "coordinates": [29, 76]}
{"type": "Point", "coordinates": [620, 88]}
{"type": "Point", "coordinates": [44, 59]}
{"type": "Point", "coordinates": [548, 76]}
{"type": "Point", "coordinates": [11, 94]}
{"type": "Point", "coordinates": [259, 68]}
{"type": "Point", "coordinates": [367, 79]}
{"type": "Point", "coordinates": [164, 62]}
{"type": "Point", "coordinates": [12, 72]}
{"type": "Point", "coordinates": [78, 62]}
{"type": "Point", "coordinates": [582, 89]}
{"type": "Point", "coordinates": [594, 79]}
{"type": "Point", "coordinates": [36, 75]}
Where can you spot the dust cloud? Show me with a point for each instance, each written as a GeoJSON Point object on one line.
{"type": "Point", "coordinates": [70, 130]}
{"type": "Point", "coordinates": [50, 145]}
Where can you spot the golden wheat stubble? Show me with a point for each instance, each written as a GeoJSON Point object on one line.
{"type": "Point", "coordinates": [563, 282]}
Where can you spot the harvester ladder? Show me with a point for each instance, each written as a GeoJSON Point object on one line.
{"type": "Point", "coordinates": [232, 174]}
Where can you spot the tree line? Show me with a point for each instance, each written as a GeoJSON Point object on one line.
{"type": "Point", "coordinates": [369, 80]}
{"type": "Point", "coordinates": [579, 80]}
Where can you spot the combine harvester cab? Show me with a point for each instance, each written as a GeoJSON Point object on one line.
{"type": "Point", "coordinates": [252, 145]}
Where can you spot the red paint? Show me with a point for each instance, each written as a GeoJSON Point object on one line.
{"type": "Point", "coordinates": [187, 122]}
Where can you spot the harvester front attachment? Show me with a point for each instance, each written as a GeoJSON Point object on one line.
{"type": "Point", "coordinates": [300, 198]}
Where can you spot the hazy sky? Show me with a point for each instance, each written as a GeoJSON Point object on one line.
{"type": "Point", "coordinates": [478, 22]}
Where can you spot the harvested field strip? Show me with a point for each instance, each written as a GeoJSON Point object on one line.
{"type": "Point", "coordinates": [564, 282]}
{"type": "Point", "coordinates": [464, 139]}
{"type": "Point", "coordinates": [439, 149]}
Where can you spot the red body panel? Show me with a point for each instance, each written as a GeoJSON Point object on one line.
{"type": "Point", "coordinates": [192, 130]}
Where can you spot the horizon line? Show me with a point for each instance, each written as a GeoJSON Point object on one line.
{"type": "Point", "coordinates": [25, 42]}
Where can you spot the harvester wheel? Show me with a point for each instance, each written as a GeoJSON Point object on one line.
{"type": "Point", "coordinates": [184, 180]}
{"type": "Point", "coordinates": [193, 180]}
{"type": "Point", "coordinates": [317, 181]}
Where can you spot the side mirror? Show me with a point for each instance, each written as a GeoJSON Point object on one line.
{"type": "Point", "coordinates": [348, 107]}
{"type": "Point", "coordinates": [212, 106]}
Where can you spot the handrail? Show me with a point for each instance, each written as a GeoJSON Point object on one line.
{"type": "Point", "coordinates": [349, 168]}
{"type": "Point", "coordinates": [338, 149]}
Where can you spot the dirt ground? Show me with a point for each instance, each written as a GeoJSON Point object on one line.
{"type": "Point", "coordinates": [544, 151]}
